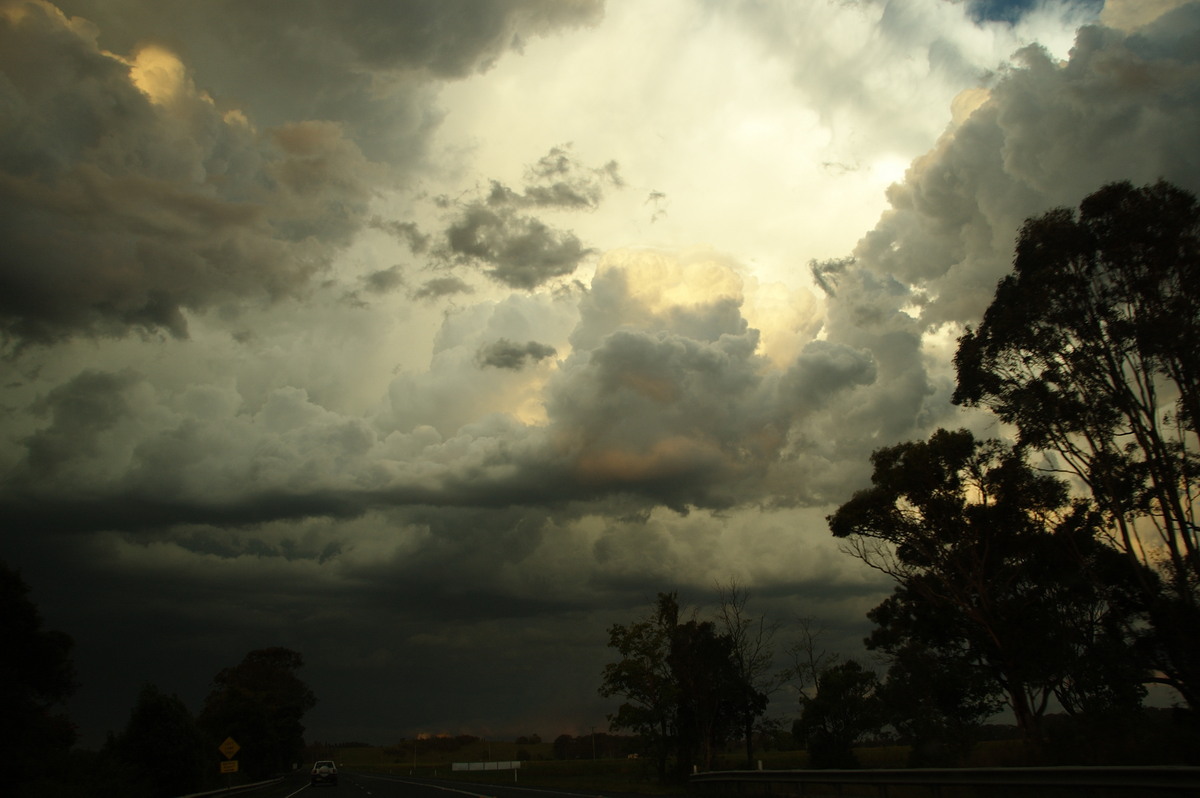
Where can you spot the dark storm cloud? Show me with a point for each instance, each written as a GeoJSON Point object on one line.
{"type": "Point", "coordinates": [450, 39]}
{"type": "Point", "coordinates": [505, 354]}
{"type": "Point", "coordinates": [678, 410]}
{"type": "Point", "coordinates": [123, 209]}
{"type": "Point", "coordinates": [442, 286]}
{"type": "Point", "coordinates": [671, 402]}
{"type": "Point", "coordinates": [559, 179]}
{"type": "Point", "coordinates": [137, 184]}
{"type": "Point", "coordinates": [473, 543]}
{"type": "Point", "coordinates": [638, 388]}
{"type": "Point", "coordinates": [406, 232]}
{"type": "Point", "coordinates": [825, 273]}
{"type": "Point", "coordinates": [515, 250]}
{"type": "Point", "coordinates": [824, 368]}
{"type": "Point", "coordinates": [80, 411]}
{"type": "Point", "coordinates": [366, 63]}
{"type": "Point", "coordinates": [137, 512]}
{"type": "Point", "coordinates": [683, 411]}
{"type": "Point", "coordinates": [384, 280]}
{"type": "Point", "coordinates": [493, 232]}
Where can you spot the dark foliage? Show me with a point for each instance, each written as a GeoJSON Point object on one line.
{"type": "Point", "coordinates": [684, 695]}
{"type": "Point", "coordinates": [1091, 348]}
{"type": "Point", "coordinates": [260, 703]}
{"type": "Point", "coordinates": [845, 708]}
{"type": "Point", "coordinates": [36, 678]}
{"type": "Point", "coordinates": [161, 747]}
{"type": "Point", "coordinates": [994, 597]}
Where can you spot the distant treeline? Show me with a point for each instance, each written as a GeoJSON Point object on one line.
{"type": "Point", "coordinates": [600, 745]}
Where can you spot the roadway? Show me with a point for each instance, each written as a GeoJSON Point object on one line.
{"type": "Point", "coordinates": [369, 785]}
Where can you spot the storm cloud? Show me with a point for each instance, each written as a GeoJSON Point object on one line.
{"type": "Point", "coordinates": [311, 317]}
{"type": "Point", "coordinates": [504, 354]}
{"type": "Point", "coordinates": [496, 231]}
{"type": "Point", "coordinates": [133, 194]}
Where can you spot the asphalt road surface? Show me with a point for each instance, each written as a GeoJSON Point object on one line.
{"type": "Point", "coordinates": [365, 785]}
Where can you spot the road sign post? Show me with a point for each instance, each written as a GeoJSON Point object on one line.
{"type": "Point", "coordinates": [229, 748]}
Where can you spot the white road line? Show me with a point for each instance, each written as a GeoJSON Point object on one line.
{"type": "Point", "coordinates": [475, 794]}
{"type": "Point", "coordinates": [472, 793]}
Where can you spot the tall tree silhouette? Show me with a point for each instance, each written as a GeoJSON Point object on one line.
{"type": "Point", "coordinates": [1091, 348]}
{"type": "Point", "coordinates": [988, 555]}
{"type": "Point", "coordinates": [36, 677]}
{"type": "Point", "coordinates": [260, 703]}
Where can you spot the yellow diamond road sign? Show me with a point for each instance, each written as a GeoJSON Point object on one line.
{"type": "Point", "coordinates": [229, 747]}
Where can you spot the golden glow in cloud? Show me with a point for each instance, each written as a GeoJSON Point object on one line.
{"type": "Point", "coordinates": [669, 457]}
{"type": "Point", "coordinates": [159, 74]}
{"type": "Point", "coordinates": [660, 282]}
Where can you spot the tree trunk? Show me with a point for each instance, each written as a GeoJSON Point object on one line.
{"type": "Point", "coordinates": [1027, 720]}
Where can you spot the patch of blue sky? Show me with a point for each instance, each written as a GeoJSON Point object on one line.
{"type": "Point", "coordinates": [1012, 10]}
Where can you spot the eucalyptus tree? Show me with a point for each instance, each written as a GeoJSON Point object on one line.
{"type": "Point", "coordinates": [642, 676]}
{"type": "Point", "coordinates": [988, 555]}
{"type": "Point", "coordinates": [934, 695]}
{"type": "Point", "coordinates": [712, 693]}
{"type": "Point", "coordinates": [260, 703]}
{"type": "Point", "coordinates": [684, 694]}
{"type": "Point", "coordinates": [1091, 349]}
{"type": "Point", "coordinates": [844, 707]}
{"type": "Point", "coordinates": [752, 653]}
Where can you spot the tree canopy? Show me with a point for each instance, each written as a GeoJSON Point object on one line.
{"type": "Point", "coordinates": [1091, 349]}
{"type": "Point", "coordinates": [260, 703]}
{"type": "Point", "coordinates": [162, 745]}
{"type": "Point", "coordinates": [36, 677]}
{"type": "Point", "coordinates": [988, 555]}
{"type": "Point", "coordinates": [684, 693]}
{"type": "Point", "coordinates": [844, 706]}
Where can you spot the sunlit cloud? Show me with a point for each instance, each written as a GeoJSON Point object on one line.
{"type": "Point", "coordinates": [159, 74]}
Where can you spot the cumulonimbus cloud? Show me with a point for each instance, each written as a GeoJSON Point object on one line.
{"type": "Point", "coordinates": [1123, 107]}
{"type": "Point", "coordinates": [663, 390]}
{"type": "Point", "coordinates": [138, 184]}
{"type": "Point", "coordinates": [127, 199]}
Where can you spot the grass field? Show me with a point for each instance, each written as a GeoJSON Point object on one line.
{"type": "Point", "coordinates": [540, 769]}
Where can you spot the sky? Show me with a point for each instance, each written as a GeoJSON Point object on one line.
{"type": "Point", "coordinates": [431, 339]}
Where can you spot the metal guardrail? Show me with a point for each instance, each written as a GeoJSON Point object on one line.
{"type": "Point", "coordinates": [1077, 782]}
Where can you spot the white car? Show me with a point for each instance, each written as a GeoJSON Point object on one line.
{"type": "Point", "coordinates": [324, 772]}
